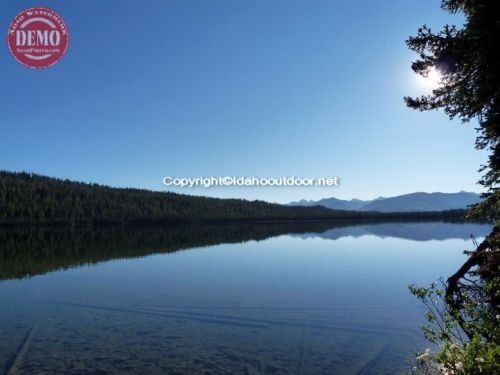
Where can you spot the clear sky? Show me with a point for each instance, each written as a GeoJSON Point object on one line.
{"type": "Point", "coordinates": [234, 88]}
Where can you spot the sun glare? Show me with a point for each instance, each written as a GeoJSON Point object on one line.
{"type": "Point", "coordinates": [433, 79]}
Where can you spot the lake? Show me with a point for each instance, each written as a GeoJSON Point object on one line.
{"type": "Point", "coordinates": [262, 298]}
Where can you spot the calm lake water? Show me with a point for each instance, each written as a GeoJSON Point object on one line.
{"type": "Point", "coordinates": [316, 298]}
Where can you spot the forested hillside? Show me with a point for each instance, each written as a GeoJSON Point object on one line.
{"type": "Point", "coordinates": [27, 198]}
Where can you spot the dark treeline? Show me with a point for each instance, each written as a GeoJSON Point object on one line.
{"type": "Point", "coordinates": [29, 199]}
{"type": "Point", "coordinates": [26, 253]}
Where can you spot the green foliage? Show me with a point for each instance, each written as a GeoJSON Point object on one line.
{"type": "Point", "coordinates": [457, 353]}
{"type": "Point", "coordinates": [32, 199]}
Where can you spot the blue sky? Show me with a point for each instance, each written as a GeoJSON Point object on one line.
{"type": "Point", "coordinates": [234, 88]}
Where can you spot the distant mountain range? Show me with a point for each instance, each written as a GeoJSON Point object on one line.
{"type": "Point", "coordinates": [413, 202]}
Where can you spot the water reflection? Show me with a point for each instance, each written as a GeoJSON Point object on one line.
{"type": "Point", "coordinates": [25, 253]}
{"type": "Point", "coordinates": [268, 298]}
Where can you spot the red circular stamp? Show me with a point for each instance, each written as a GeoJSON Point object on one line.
{"type": "Point", "coordinates": [37, 37]}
